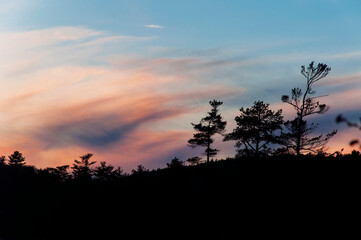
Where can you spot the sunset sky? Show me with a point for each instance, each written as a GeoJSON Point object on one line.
{"type": "Point", "coordinates": [124, 79]}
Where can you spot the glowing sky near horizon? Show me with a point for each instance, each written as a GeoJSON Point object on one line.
{"type": "Point", "coordinates": [124, 79]}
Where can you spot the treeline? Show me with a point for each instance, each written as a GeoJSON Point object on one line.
{"type": "Point", "coordinates": [82, 170]}
{"type": "Point", "coordinates": [224, 199]}
{"type": "Point", "coordinates": [86, 171]}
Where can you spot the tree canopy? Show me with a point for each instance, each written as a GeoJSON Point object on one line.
{"type": "Point", "coordinates": [256, 128]}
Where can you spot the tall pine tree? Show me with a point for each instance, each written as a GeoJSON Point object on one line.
{"type": "Point", "coordinates": [298, 137]}
{"type": "Point", "coordinates": [208, 126]}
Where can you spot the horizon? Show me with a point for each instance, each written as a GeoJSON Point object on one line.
{"type": "Point", "coordinates": [124, 80]}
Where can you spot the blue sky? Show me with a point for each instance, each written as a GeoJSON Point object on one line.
{"type": "Point", "coordinates": [135, 74]}
{"type": "Point", "coordinates": [199, 24]}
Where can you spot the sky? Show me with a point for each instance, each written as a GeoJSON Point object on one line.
{"type": "Point", "coordinates": [124, 79]}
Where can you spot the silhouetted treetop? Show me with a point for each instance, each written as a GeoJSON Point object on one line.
{"type": "Point", "coordinates": [301, 101]}
{"type": "Point", "coordinates": [256, 128]}
{"type": "Point", "coordinates": [16, 159]}
{"type": "Point", "coordinates": [305, 104]}
{"type": "Point", "coordinates": [175, 163]}
{"type": "Point", "coordinates": [60, 172]}
{"type": "Point", "coordinates": [140, 169]}
{"type": "Point", "coordinates": [118, 172]}
{"type": "Point", "coordinates": [313, 74]}
{"type": "Point", "coordinates": [2, 161]}
{"type": "Point", "coordinates": [208, 126]}
{"type": "Point", "coordinates": [194, 160]}
{"type": "Point", "coordinates": [82, 169]}
{"type": "Point", "coordinates": [106, 172]}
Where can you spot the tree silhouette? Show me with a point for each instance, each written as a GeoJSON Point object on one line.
{"type": "Point", "coordinates": [256, 129]}
{"type": "Point", "coordinates": [206, 128]}
{"type": "Point", "coordinates": [305, 105]}
{"type": "Point", "coordinates": [194, 160]}
{"type": "Point", "coordinates": [140, 170]}
{"type": "Point", "coordinates": [2, 161]}
{"type": "Point", "coordinates": [60, 172]}
{"type": "Point", "coordinates": [119, 173]}
{"type": "Point", "coordinates": [81, 169]}
{"type": "Point", "coordinates": [106, 172]}
{"type": "Point", "coordinates": [16, 159]}
{"type": "Point", "coordinates": [306, 143]}
{"type": "Point", "coordinates": [175, 163]}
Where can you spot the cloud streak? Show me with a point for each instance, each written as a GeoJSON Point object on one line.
{"type": "Point", "coordinates": [153, 26]}
{"type": "Point", "coordinates": [63, 96]}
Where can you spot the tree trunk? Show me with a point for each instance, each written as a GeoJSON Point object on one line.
{"type": "Point", "coordinates": [298, 142]}
{"type": "Point", "coordinates": [208, 149]}
{"type": "Point", "coordinates": [208, 141]}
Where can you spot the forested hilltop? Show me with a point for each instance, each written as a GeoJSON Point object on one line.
{"type": "Point", "coordinates": [282, 182]}
{"type": "Point", "coordinates": [223, 199]}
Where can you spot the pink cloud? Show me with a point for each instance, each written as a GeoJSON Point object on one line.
{"type": "Point", "coordinates": [57, 110]}
{"type": "Point", "coordinates": [342, 139]}
{"type": "Point", "coordinates": [351, 79]}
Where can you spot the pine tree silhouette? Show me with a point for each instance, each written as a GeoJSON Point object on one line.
{"type": "Point", "coordinates": [16, 159]}
{"type": "Point", "coordinates": [256, 129]}
{"type": "Point", "coordinates": [305, 105]}
{"type": "Point", "coordinates": [208, 126]}
{"type": "Point", "coordinates": [2, 161]}
{"type": "Point", "coordinates": [81, 169]}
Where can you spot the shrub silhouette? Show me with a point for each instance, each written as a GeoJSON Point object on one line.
{"type": "Point", "coordinates": [194, 160]}
{"type": "Point", "coordinates": [175, 163]}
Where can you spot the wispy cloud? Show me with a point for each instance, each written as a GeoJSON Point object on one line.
{"type": "Point", "coordinates": [57, 104]}
{"type": "Point", "coordinates": [153, 26]}
{"type": "Point", "coordinates": [346, 55]}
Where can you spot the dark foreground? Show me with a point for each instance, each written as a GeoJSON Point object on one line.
{"type": "Point", "coordinates": [268, 198]}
